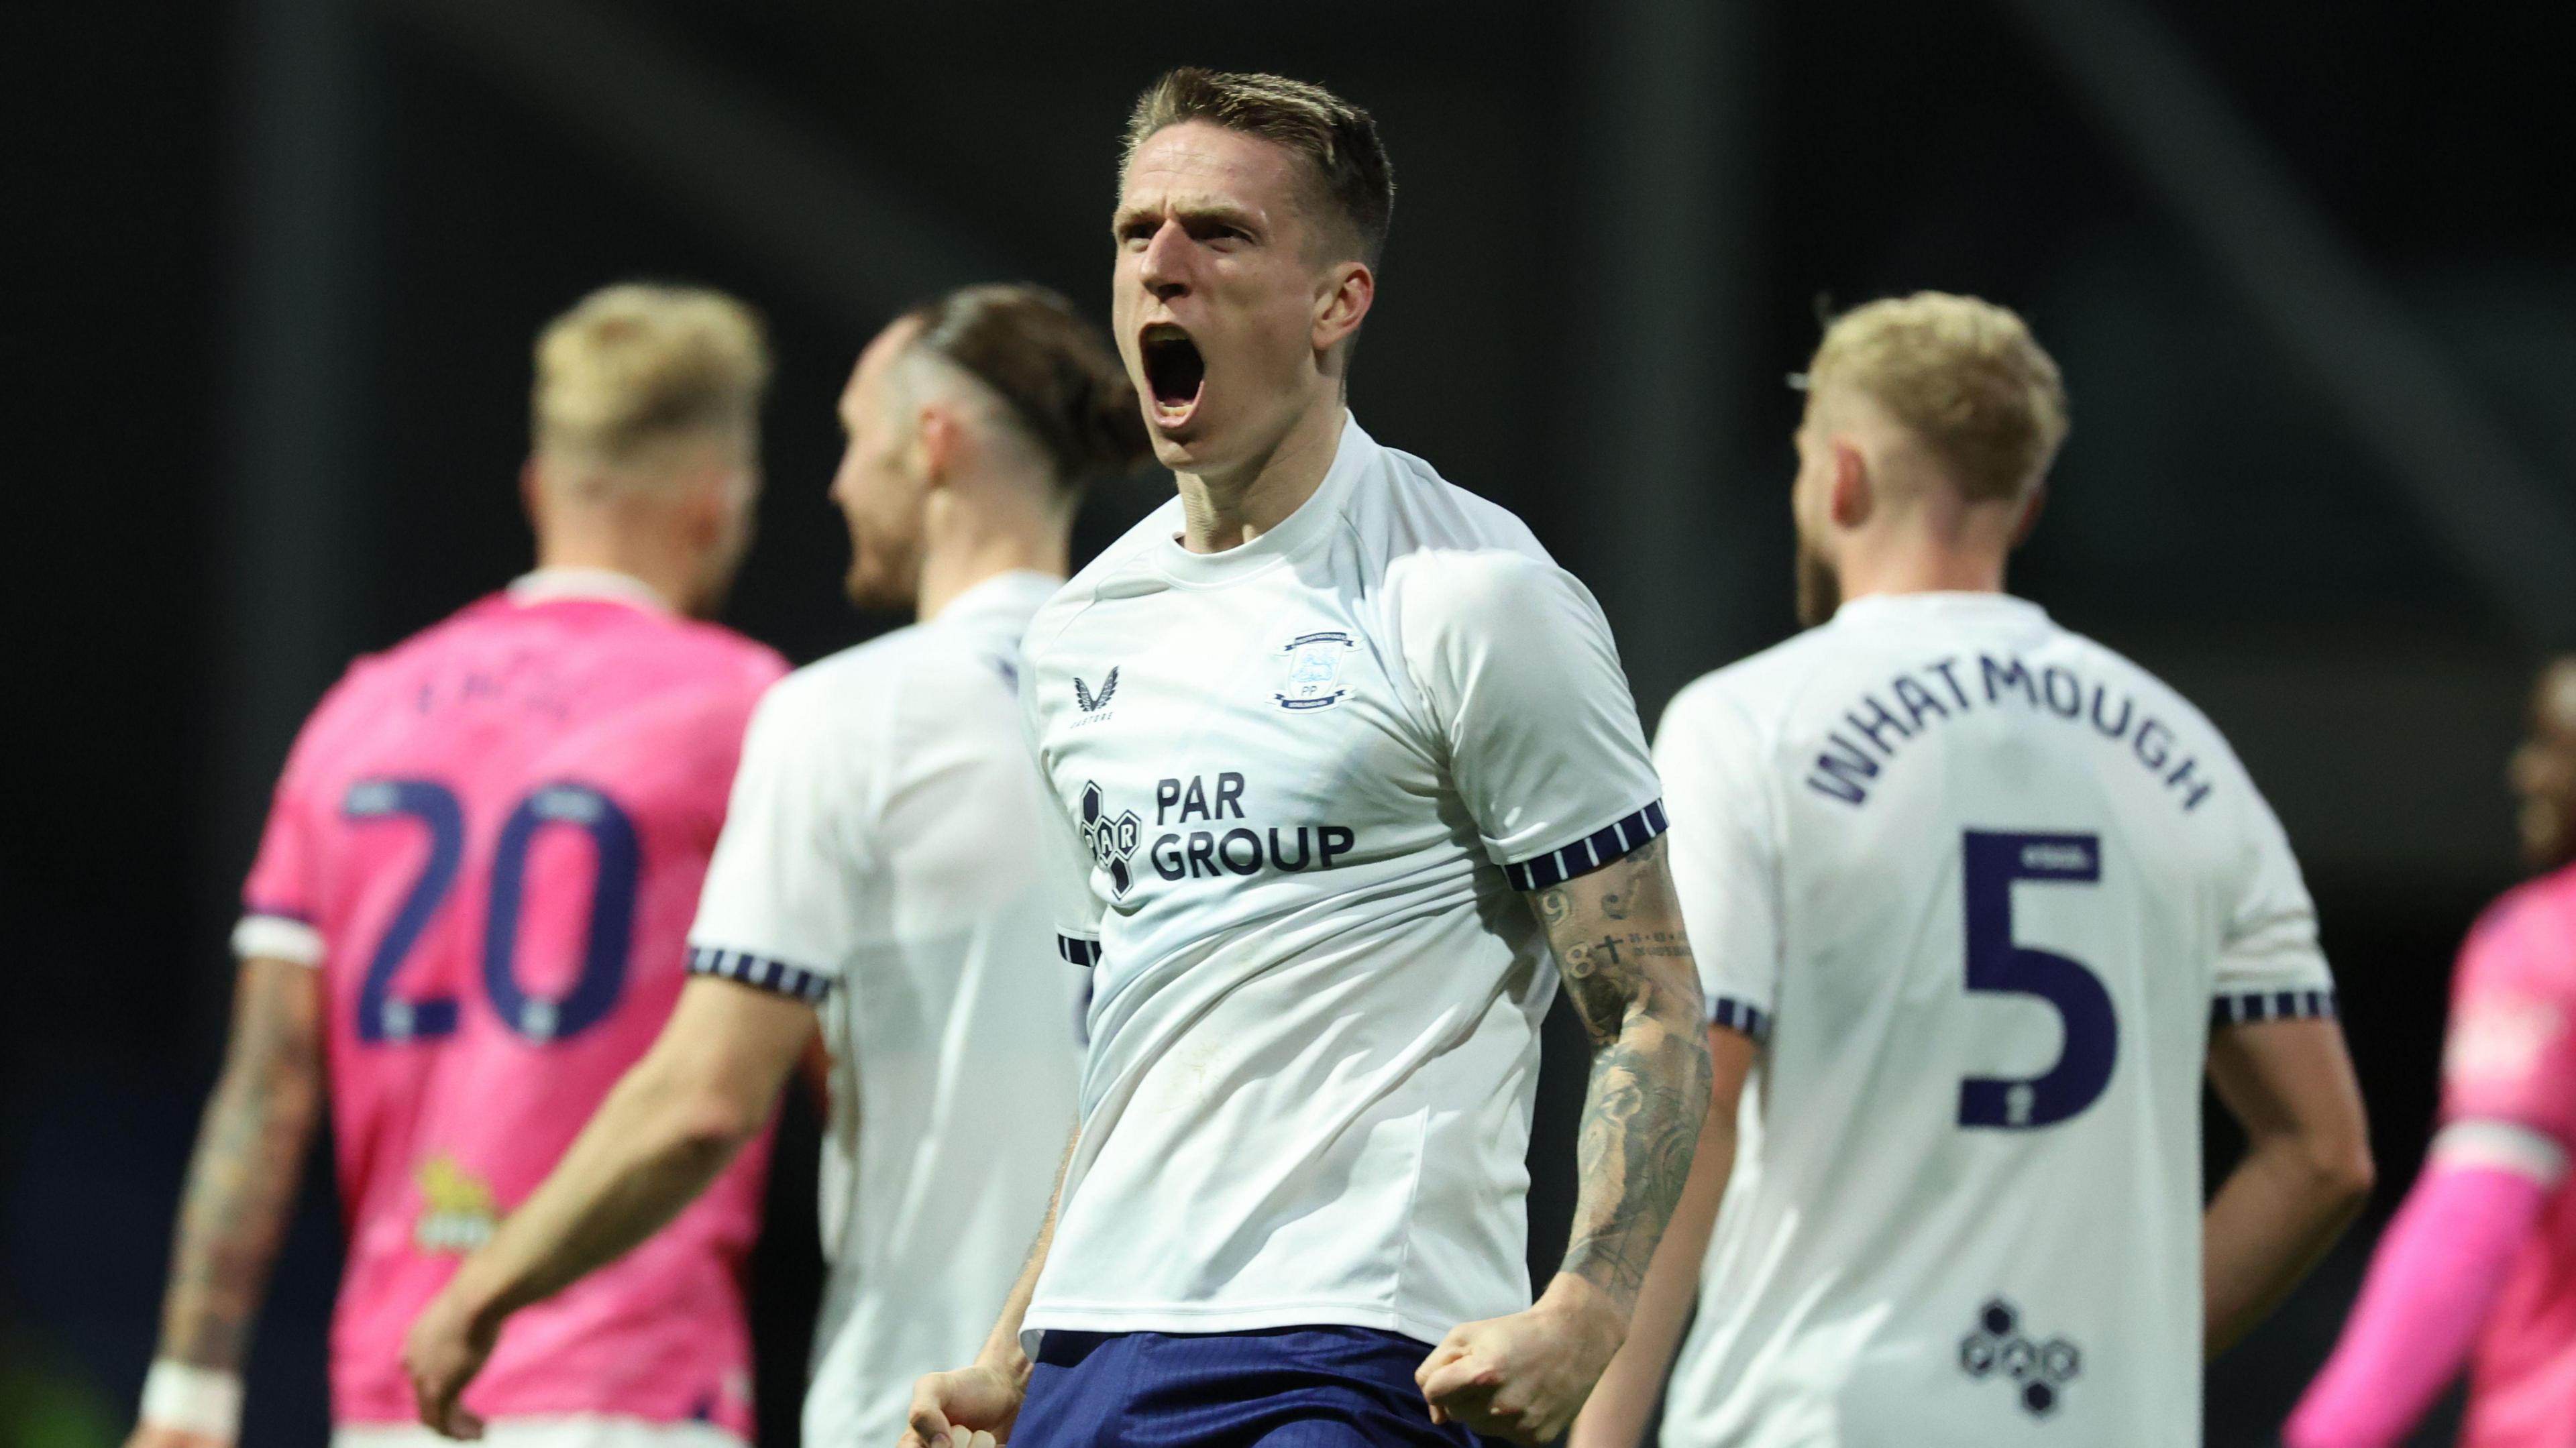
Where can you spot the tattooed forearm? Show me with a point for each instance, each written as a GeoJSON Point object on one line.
{"type": "Point", "coordinates": [250, 1157]}
{"type": "Point", "coordinates": [1628, 972]}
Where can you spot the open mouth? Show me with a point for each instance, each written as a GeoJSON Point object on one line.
{"type": "Point", "coordinates": [1174, 371]}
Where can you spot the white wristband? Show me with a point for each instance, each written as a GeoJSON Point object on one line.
{"type": "Point", "coordinates": [205, 1401]}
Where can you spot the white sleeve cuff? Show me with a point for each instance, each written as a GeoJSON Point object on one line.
{"type": "Point", "coordinates": [277, 937]}
{"type": "Point", "coordinates": [203, 1401]}
{"type": "Point", "coordinates": [2503, 1145]}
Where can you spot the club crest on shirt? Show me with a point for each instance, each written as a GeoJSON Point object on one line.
{"type": "Point", "coordinates": [457, 1211]}
{"type": "Point", "coordinates": [1313, 666]}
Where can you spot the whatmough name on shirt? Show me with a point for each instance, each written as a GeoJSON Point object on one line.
{"type": "Point", "coordinates": [1872, 732]}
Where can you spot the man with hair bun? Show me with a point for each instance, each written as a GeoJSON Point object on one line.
{"type": "Point", "coordinates": [1344, 776]}
{"type": "Point", "coordinates": [466, 918]}
{"type": "Point", "coordinates": [878, 875]}
{"type": "Point", "coordinates": [1979, 905]}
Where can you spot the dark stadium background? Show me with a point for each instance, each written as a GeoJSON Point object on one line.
{"type": "Point", "coordinates": [2311, 270]}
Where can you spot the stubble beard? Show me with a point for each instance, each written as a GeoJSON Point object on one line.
{"type": "Point", "coordinates": [882, 578]}
{"type": "Point", "coordinates": [2548, 836]}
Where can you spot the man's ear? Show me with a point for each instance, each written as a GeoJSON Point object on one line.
{"type": "Point", "coordinates": [2030, 511]}
{"type": "Point", "coordinates": [1342, 301]}
{"type": "Point", "coordinates": [529, 494]}
{"type": "Point", "coordinates": [708, 491]}
{"type": "Point", "coordinates": [937, 442]}
{"type": "Point", "coordinates": [1853, 495]}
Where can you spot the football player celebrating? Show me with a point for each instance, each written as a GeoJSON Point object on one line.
{"type": "Point", "coordinates": [2476, 1267]}
{"type": "Point", "coordinates": [466, 920]}
{"type": "Point", "coordinates": [879, 869]}
{"type": "Point", "coordinates": [1340, 755]}
{"type": "Point", "coordinates": [1978, 904]}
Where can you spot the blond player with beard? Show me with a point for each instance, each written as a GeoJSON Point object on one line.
{"type": "Point", "coordinates": [1980, 904]}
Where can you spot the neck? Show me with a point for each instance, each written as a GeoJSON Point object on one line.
{"type": "Point", "coordinates": [946, 575]}
{"type": "Point", "coordinates": [1221, 510]}
{"type": "Point", "coordinates": [1917, 568]}
{"type": "Point", "coordinates": [978, 532]}
{"type": "Point", "coordinates": [669, 572]}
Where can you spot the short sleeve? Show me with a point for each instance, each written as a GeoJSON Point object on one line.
{"type": "Point", "coordinates": [1725, 854]}
{"type": "Point", "coordinates": [1515, 665]}
{"type": "Point", "coordinates": [780, 907]}
{"type": "Point", "coordinates": [1062, 855]}
{"type": "Point", "coordinates": [281, 897]}
{"type": "Point", "coordinates": [2269, 967]}
{"type": "Point", "coordinates": [2509, 1054]}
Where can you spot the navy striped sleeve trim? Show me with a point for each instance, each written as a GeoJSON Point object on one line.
{"type": "Point", "coordinates": [1741, 1016]}
{"type": "Point", "coordinates": [1085, 953]}
{"type": "Point", "coordinates": [2272, 1005]}
{"type": "Point", "coordinates": [1589, 853]}
{"type": "Point", "coordinates": [756, 970]}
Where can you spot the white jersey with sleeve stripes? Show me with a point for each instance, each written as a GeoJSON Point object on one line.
{"type": "Point", "coordinates": [1981, 887]}
{"type": "Point", "coordinates": [880, 858]}
{"type": "Point", "coordinates": [1303, 785]}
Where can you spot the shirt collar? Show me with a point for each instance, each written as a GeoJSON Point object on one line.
{"type": "Point", "coordinates": [1873, 607]}
{"type": "Point", "coordinates": [596, 585]}
{"type": "Point", "coordinates": [1353, 455]}
{"type": "Point", "coordinates": [1017, 590]}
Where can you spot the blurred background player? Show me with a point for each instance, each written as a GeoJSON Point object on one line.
{"type": "Point", "coordinates": [1346, 753]}
{"type": "Point", "coordinates": [468, 917]}
{"type": "Point", "coordinates": [2479, 1266]}
{"type": "Point", "coordinates": [878, 869]}
{"type": "Point", "coordinates": [1975, 900]}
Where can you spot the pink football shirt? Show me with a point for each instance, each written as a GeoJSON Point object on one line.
{"type": "Point", "coordinates": [490, 840]}
{"type": "Point", "coordinates": [2511, 1056]}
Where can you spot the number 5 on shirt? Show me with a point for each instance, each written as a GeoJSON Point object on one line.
{"type": "Point", "coordinates": [1992, 864]}
{"type": "Point", "coordinates": [384, 1016]}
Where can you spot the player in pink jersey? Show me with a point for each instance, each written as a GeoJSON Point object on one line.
{"type": "Point", "coordinates": [468, 918]}
{"type": "Point", "coordinates": [2480, 1264]}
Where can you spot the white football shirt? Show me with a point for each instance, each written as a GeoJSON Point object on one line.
{"type": "Point", "coordinates": [1310, 777]}
{"type": "Point", "coordinates": [880, 858]}
{"type": "Point", "coordinates": [1982, 886]}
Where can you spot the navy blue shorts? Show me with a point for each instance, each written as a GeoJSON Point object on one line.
{"type": "Point", "coordinates": [1294, 1387]}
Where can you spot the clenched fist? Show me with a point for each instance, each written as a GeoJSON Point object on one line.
{"type": "Point", "coordinates": [1524, 1377]}
{"type": "Point", "coordinates": [969, 1408]}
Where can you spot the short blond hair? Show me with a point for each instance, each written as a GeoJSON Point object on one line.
{"type": "Point", "coordinates": [635, 368]}
{"type": "Point", "coordinates": [1961, 373]}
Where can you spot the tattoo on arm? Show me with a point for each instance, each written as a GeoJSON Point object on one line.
{"type": "Point", "coordinates": [1628, 971]}
{"type": "Point", "coordinates": [249, 1161]}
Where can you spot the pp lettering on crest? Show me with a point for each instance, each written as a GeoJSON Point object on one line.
{"type": "Point", "coordinates": [1313, 663]}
